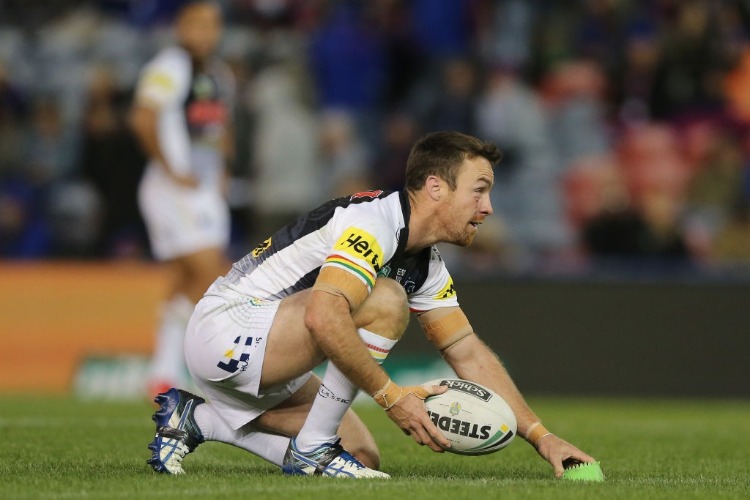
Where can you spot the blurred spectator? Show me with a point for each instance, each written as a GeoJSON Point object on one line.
{"type": "Point", "coordinates": [347, 58]}
{"type": "Point", "coordinates": [718, 182]}
{"type": "Point", "coordinates": [50, 151]}
{"type": "Point", "coordinates": [112, 162]}
{"type": "Point", "coordinates": [449, 103]}
{"type": "Point", "coordinates": [405, 61]}
{"type": "Point", "coordinates": [633, 82]}
{"type": "Point", "coordinates": [626, 234]}
{"type": "Point", "coordinates": [24, 232]}
{"type": "Point", "coordinates": [400, 132]}
{"type": "Point", "coordinates": [75, 219]}
{"type": "Point", "coordinates": [526, 192]}
{"type": "Point", "coordinates": [620, 121]}
{"type": "Point", "coordinates": [732, 243]}
{"type": "Point", "coordinates": [652, 161]}
{"type": "Point", "coordinates": [573, 96]}
{"type": "Point", "coordinates": [688, 77]}
{"type": "Point", "coordinates": [613, 227]}
{"type": "Point", "coordinates": [736, 86]}
{"type": "Point", "coordinates": [442, 28]}
{"type": "Point", "coordinates": [12, 117]}
{"type": "Point", "coordinates": [286, 179]}
{"type": "Point", "coordinates": [505, 32]}
{"type": "Point", "coordinates": [343, 156]}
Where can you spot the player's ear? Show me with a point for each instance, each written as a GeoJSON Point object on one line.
{"type": "Point", "coordinates": [434, 187]}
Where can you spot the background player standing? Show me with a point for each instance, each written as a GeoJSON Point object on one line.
{"type": "Point", "coordinates": [180, 116]}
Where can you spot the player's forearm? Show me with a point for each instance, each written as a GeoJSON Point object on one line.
{"type": "Point", "coordinates": [472, 360]}
{"type": "Point", "coordinates": [143, 121]}
{"type": "Point", "coordinates": [331, 325]}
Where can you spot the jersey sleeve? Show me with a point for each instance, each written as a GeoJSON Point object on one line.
{"type": "Point", "coordinates": [361, 246]}
{"type": "Point", "coordinates": [162, 82]}
{"type": "Point", "coordinates": [437, 290]}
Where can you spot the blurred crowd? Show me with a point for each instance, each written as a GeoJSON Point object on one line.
{"type": "Point", "coordinates": [625, 124]}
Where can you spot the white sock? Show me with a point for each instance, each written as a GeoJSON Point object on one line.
{"type": "Point", "coordinates": [168, 360]}
{"type": "Point", "coordinates": [335, 397]}
{"type": "Point", "coordinates": [270, 447]}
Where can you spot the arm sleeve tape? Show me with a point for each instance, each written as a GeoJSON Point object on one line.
{"type": "Point", "coordinates": [341, 283]}
{"type": "Point", "coordinates": [446, 331]}
{"type": "Point", "coordinates": [390, 394]}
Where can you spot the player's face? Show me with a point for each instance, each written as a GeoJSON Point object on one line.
{"type": "Point", "coordinates": [199, 29]}
{"type": "Point", "coordinates": [467, 206]}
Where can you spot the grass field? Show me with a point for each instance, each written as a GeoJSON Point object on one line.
{"type": "Point", "coordinates": [60, 448]}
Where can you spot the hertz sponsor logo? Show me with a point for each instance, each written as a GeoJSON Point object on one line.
{"type": "Point", "coordinates": [361, 245]}
{"type": "Point", "coordinates": [468, 388]}
{"type": "Point", "coordinates": [460, 427]}
{"type": "Point", "coordinates": [447, 291]}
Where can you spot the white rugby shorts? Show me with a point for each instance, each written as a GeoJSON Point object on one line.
{"type": "Point", "coordinates": [225, 346]}
{"type": "Point", "coordinates": [182, 220]}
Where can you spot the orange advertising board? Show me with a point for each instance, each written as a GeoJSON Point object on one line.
{"type": "Point", "coordinates": [55, 315]}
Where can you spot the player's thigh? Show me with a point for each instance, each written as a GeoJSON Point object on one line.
{"type": "Point", "coordinates": [291, 350]}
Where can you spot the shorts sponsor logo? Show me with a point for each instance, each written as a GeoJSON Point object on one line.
{"type": "Point", "coordinates": [361, 245]}
{"type": "Point", "coordinates": [231, 363]}
{"type": "Point", "coordinates": [447, 291]}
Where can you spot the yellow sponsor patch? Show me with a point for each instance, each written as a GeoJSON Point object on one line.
{"type": "Point", "coordinates": [361, 245]}
{"type": "Point", "coordinates": [161, 80]}
{"type": "Point", "coordinates": [447, 291]}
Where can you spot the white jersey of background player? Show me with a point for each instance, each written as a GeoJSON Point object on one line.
{"type": "Point", "coordinates": [180, 115]}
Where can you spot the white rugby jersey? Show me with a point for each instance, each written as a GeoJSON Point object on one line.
{"type": "Point", "coordinates": [364, 234]}
{"type": "Point", "coordinates": [194, 108]}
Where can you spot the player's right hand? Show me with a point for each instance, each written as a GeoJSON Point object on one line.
{"type": "Point", "coordinates": [410, 415]}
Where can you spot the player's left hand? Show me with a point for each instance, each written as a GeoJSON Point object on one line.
{"type": "Point", "coordinates": [557, 451]}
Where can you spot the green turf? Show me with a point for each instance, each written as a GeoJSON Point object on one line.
{"type": "Point", "coordinates": [60, 448]}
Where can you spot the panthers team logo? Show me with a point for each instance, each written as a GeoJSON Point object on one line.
{"type": "Point", "coordinates": [261, 248]}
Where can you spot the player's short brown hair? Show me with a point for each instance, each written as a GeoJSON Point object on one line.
{"type": "Point", "coordinates": [441, 154]}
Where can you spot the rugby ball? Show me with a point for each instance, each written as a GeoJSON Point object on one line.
{"type": "Point", "coordinates": [473, 418]}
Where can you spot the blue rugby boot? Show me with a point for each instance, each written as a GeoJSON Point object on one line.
{"type": "Point", "coordinates": [329, 460]}
{"type": "Point", "coordinates": [177, 434]}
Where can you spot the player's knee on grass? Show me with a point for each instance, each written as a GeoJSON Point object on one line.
{"type": "Point", "coordinates": [369, 456]}
{"type": "Point", "coordinates": [357, 440]}
{"type": "Point", "coordinates": [386, 310]}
